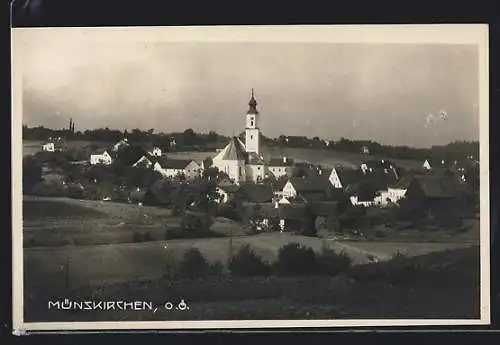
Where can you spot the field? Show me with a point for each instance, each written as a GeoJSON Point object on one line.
{"type": "Point", "coordinates": [96, 240]}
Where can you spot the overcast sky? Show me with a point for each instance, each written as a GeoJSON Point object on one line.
{"type": "Point", "coordinates": [382, 92]}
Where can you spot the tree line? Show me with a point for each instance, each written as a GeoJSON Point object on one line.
{"type": "Point", "coordinates": [191, 140]}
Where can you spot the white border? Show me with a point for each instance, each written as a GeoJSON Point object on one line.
{"type": "Point", "coordinates": [476, 34]}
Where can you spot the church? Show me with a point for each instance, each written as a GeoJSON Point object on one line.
{"type": "Point", "coordinates": [244, 162]}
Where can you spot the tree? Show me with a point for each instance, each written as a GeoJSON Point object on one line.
{"type": "Point", "coordinates": [308, 222]}
{"type": "Point", "coordinates": [32, 173]}
{"type": "Point", "coordinates": [193, 264]}
{"type": "Point", "coordinates": [295, 259]}
{"type": "Point", "coordinates": [246, 263]}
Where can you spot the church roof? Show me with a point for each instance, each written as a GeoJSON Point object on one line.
{"type": "Point", "coordinates": [234, 150]}
{"type": "Point", "coordinates": [252, 105]}
{"type": "Point", "coordinates": [254, 159]}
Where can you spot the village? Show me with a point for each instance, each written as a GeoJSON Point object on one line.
{"type": "Point", "coordinates": [266, 193]}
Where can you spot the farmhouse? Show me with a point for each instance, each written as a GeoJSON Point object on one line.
{"type": "Point", "coordinates": [342, 178]}
{"type": "Point", "coordinates": [281, 167]}
{"type": "Point", "coordinates": [129, 155]}
{"type": "Point", "coordinates": [121, 144]}
{"type": "Point", "coordinates": [146, 161]}
{"type": "Point", "coordinates": [290, 217]}
{"type": "Point", "coordinates": [177, 167]}
{"type": "Point", "coordinates": [397, 191]}
{"type": "Point", "coordinates": [54, 145]}
{"type": "Point", "coordinates": [226, 192]}
{"type": "Point", "coordinates": [101, 156]}
{"type": "Point", "coordinates": [304, 187]}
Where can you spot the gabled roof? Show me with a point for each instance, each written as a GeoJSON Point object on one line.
{"type": "Point", "coordinates": [234, 150]}
{"type": "Point", "coordinates": [99, 151]}
{"type": "Point", "coordinates": [280, 162]}
{"type": "Point", "coordinates": [177, 163]}
{"type": "Point", "coordinates": [349, 176]}
{"type": "Point", "coordinates": [402, 183]}
{"type": "Point", "coordinates": [130, 154]}
{"type": "Point", "coordinates": [313, 196]}
{"type": "Point", "coordinates": [259, 193]}
{"type": "Point", "coordinates": [253, 159]}
{"type": "Point", "coordinates": [437, 186]}
{"type": "Point", "coordinates": [304, 185]}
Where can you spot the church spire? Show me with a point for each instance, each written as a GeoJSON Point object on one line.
{"type": "Point", "coordinates": [252, 105]}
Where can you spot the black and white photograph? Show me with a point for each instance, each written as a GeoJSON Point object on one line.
{"type": "Point", "coordinates": [250, 176]}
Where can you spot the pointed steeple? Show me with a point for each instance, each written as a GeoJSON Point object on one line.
{"type": "Point", "coordinates": [252, 105]}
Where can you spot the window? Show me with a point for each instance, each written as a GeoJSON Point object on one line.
{"type": "Point", "coordinates": [251, 137]}
{"type": "Point", "coordinates": [258, 168]}
{"type": "Point", "coordinates": [251, 123]}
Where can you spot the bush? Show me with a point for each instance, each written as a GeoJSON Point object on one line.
{"type": "Point", "coordinates": [294, 259]}
{"type": "Point", "coordinates": [193, 264]}
{"type": "Point", "coordinates": [142, 236]}
{"type": "Point", "coordinates": [246, 263]}
{"type": "Point", "coordinates": [332, 263]}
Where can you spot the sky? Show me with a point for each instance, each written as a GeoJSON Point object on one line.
{"type": "Point", "coordinates": [380, 92]}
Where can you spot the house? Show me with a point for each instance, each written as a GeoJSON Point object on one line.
{"type": "Point", "coordinates": [146, 161]}
{"type": "Point", "coordinates": [397, 190]}
{"type": "Point", "coordinates": [54, 145]}
{"type": "Point", "coordinates": [121, 144]}
{"type": "Point", "coordinates": [261, 216]}
{"type": "Point", "coordinates": [341, 178]}
{"type": "Point", "coordinates": [129, 155]}
{"type": "Point", "coordinates": [101, 156]}
{"type": "Point", "coordinates": [303, 186]}
{"type": "Point", "coordinates": [226, 192]}
{"type": "Point", "coordinates": [365, 150]}
{"type": "Point", "coordinates": [279, 167]}
{"type": "Point", "coordinates": [440, 196]}
{"type": "Point", "coordinates": [430, 164]}
{"type": "Point", "coordinates": [291, 217]}
{"type": "Point", "coordinates": [177, 167]}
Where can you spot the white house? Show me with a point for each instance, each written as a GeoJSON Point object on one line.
{"type": "Point", "coordinates": [225, 192]}
{"type": "Point", "coordinates": [156, 152]}
{"type": "Point", "coordinates": [280, 167]}
{"type": "Point", "coordinates": [101, 157]}
{"type": "Point", "coordinates": [49, 147]}
{"type": "Point", "coordinates": [297, 185]}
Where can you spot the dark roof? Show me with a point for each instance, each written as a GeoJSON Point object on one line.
{"type": "Point", "coordinates": [234, 150]}
{"type": "Point", "coordinates": [324, 208]}
{"type": "Point", "coordinates": [130, 154]}
{"type": "Point", "coordinates": [229, 188]}
{"type": "Point", "coordinates": [305, 185]}
{"type": "Point", "coordinates": [294, 211]}
{"type": "Point", "coordinates": [267, 209]}
{"type": "Point", "coordinates": [279, 162]}
{"type": "Point", "coordinates": [437, 186]}
{"type": "Point", "coordinates": [177, 163]}
{"type": "Point", "coordinates": [253, 159]}
{"type": "Point", "coordinates": [99, 151]}
{"type": "Point", "coordinates": [402, 183]}
{"type": "Point", "coordinates": [255, 192]}
{"type": "Point", "coordinates": [349, 176]}
{"type": "Point", "coordinates": [313, 196]}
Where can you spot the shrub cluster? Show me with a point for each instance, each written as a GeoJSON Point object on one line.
{"type": "Point", "coordinates": [293, 260]}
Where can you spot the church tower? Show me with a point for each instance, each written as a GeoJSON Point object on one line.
{"type": "Point", "coordinates": [252, 132]}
